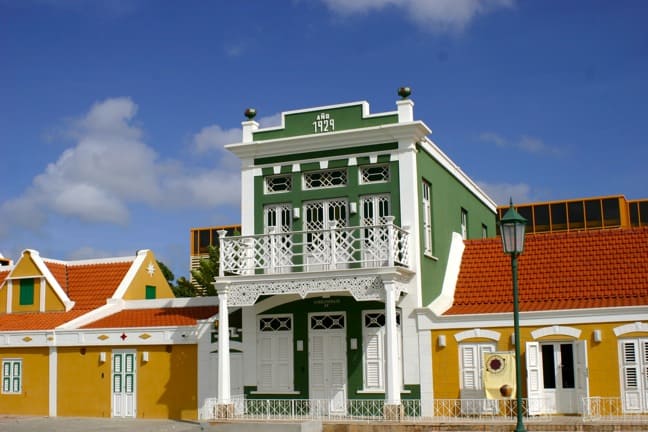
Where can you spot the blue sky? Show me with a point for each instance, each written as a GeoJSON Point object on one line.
{"type": "Point", "coordinates": [114, 113]}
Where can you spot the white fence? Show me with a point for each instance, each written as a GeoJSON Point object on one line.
{"type": "Point", "coordinates": [315, 250]}
{"type": "Point", "coordinates": [456, 410]}
{"type": "Point", "coordinates": [598, 408]}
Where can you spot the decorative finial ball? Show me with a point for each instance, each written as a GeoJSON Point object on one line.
{"type": "Point", "coordinates": [250, 113]}
{"type": "Point", "coordinates": [404, 92]}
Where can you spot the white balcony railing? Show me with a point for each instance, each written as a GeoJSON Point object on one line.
{"type": "Point", "coordinates": [317, 250]}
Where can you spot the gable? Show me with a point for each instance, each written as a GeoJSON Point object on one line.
{"type": "Point", "coordinates": [326, 119]}
{"type": "Point", "coordinates": [143, 278]}
{"type": "Point", "coordinates": [30, 287]}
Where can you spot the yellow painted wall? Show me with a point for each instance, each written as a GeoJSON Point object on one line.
{"type": "Point", "coordinates": [137, 290]}
{"type": "Point", "coordinates": [34, 399]}
{"type": "Point", "coordinates": [83, 382]}
{"type": "Point", "coordinates": [167, 383]}
{"type": "Point", "coordinates": [602, 358]}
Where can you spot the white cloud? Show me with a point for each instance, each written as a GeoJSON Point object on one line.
{"type": "Point", "coordinates": [432, 15]}
{"type": "Point", "coordinates": [215, 137]}
{"type": "Point", "coordinates": [501, 193]}
{"type": "Point", "coordinates": [110, 168]}
{"type": "Point", "coordinates": [525, 143]}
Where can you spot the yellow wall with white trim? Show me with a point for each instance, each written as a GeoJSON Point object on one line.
{"type": "Point", "coordinates": [83, 382]}
{"type": "Point", "coordinates": [34, 397]}
{"type": "Point", "coordinates": [166, 384]}
{"type": "Point", "coordinates": [602, 357]}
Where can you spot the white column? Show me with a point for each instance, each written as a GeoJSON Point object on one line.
{"type": "Point", "coordinates": [223, 347]}
{"type": "Point", "coordinates": [53, 381]}
{"type": "Point", "coordinates": [392, 378]}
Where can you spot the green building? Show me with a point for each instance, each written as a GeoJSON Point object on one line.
{"type": "Point", "coordinates": [351, 221]}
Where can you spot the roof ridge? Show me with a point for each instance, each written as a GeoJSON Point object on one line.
{"type": "Point", "coordinates": [91, 261]}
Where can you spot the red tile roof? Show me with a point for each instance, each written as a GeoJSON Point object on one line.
{"type": "Point", "coordinates": [36, 320]}
{"type": "Point", "coordinates": [576, 270]}
{"type": "Point", "coordinates": [89, 285]}
{"type": "Point", "coordinates": [178, 316]}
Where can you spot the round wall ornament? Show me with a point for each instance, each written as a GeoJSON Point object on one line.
{"type": "Point", "coordinates": [495, 364]}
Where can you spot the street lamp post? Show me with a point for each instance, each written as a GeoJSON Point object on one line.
{"type": "Point", "coordinates": [512, 228]}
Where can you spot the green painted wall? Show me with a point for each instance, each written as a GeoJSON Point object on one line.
{"type": "Point", "coordinates": [352, 191]}
{"type": "Point", "coordinates": [306, 122]}
{"type": "Point", "coordinates": [353, 310]}
{"type": "Point", "coordinates": [448, 198]}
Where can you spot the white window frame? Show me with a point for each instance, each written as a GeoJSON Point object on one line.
{"type": "Point", "coordinates": [633, 362]}
{"type": "Point", "coordinates": [427, 218]}
{"type": "Point", "coordinates": [378, 334]}
{"type": "Point", "coordinates": [464, 223]}
{"type": "Point", "coordinates": [472, 372]}
{"type": "Point", "coordinates": [12, 376]}
{"type": "Point", "coordinates": [280, 357]}
{"type": "Point", "coordinates": [268, 179]}
{"type": "Point", "coordinates": [363, 174]}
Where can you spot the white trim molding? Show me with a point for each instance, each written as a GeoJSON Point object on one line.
{"type": "Point", "coordinates": [631, 328]}
{"type": "Point", "coordinates": [477, 333]}
{"type": "Point", "coordinates": [556, 330]}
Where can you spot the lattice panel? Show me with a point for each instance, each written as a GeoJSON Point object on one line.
{"type": "Point", "coordinates": [374, 174]}
{"type": "Point", "coordinates": [325, 179]}
{"type": "Point", "coordinates": [278, 183]}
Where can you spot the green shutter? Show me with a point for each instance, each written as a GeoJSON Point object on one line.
{"type": "Point", "coordinates": [26, 292]}
{"type": "Point", "coordinates": [150, 292]}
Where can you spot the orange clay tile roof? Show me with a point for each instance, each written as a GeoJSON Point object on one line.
{"type": "Point", "coordinates": [36, 320]}
{"type": "Point", "coordinates": [89, 285]}
{"type": "Point", "coordinates": [178, 316]}
{"type": "Point", "coordinates": [577, 270]}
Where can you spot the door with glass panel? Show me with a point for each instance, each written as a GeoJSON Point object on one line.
{"type": "Point", "coordinates": [325, 245]}
{"type": "Point", "coordinates": [375, 241]}
{"type": "Point", "coordinates": [278, 247]}
{"type": "Point", "coordinates": [124, 397]}
{"type": "Point", "coordinates": [556, 377]}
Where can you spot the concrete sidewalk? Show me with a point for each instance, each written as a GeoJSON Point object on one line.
{"type": "Point", "coordinates": [75, 424]}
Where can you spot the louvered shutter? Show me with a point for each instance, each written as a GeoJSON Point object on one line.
{"type": "Point", "coordinates": [374, 358]}
{"type": "Point", "coordinates": [629, 353]}
{"type": "Point", "coordinates": [535, 382]}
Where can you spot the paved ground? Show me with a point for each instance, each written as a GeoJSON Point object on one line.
{"type": "Point", "coordinates": [73, 424]}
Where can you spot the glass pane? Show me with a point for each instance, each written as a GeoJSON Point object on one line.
{"type": "Point", "coordinates": [643, 213]}
{"type": "Point", "coordinates": [634, 214]}
{"type": "Point", "coordinates": [204, 241]}
{"type": "Point", "coordinates": [541, 217]}
{"type": "Point", "coordinates": [567, 365]}
{"type": "Point", "coordinates": [548, 367]}
{"type": "Point", "coordinates": [611, 212]}
{"type": "Point", "coordinates": [525, 212]}
{"type": "Point", "coordinates": [593, 214]}
{"type": "Point", "coordinates": [558, 217]}
{"type": "Point", "coordinates": [576, 215]}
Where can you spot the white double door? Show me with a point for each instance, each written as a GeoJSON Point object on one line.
{"type": "Point", "coordinates": [123, 387]}
{"type": "Point", "coordinates": [327, 372]}
{"type": "Point", "coordinates": [557, 377]}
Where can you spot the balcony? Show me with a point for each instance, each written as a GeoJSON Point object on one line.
{"type": "Point", "coordinates": [335, 248]}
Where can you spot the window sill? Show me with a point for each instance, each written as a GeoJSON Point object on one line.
{"type": "Point", "coordinates": [270, 392]}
